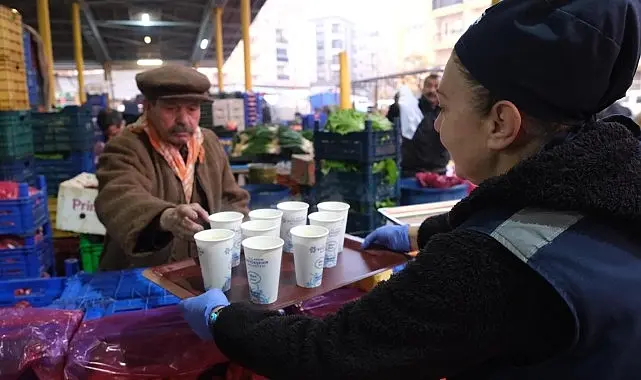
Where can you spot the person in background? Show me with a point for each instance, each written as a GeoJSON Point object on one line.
{"type": "Point", "coordinates": [394, 112]}
{"type": "Point", "coordinates": [428, 100]}
{"type": "Point", "coordinates": [425, 152]}
{"type": "Point", "coordinates": [110, 123]}
{"type": "Point", "coordinates": [536, 274]}
{"type": "Point", "coordinates": [163, 175]}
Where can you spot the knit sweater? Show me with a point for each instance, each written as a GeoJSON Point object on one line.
{"type": "Point", "coordinates": [466, 305]}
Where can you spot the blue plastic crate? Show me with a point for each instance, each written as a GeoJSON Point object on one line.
{"type": "Point", "coordinates": [24, 215]}
{"type": "Point", "coordinates": [68, 130]}
{"type": "Point", "coordinates": [266, 196]}
{"type": "Point", "coordinates": [19, 170]}
{"type": "Point", "coordinates": [41, 291]}
{"type": "Point", "coordinates": [97, 100]}
{"type": "Point", "coordinates": [366, 147]}
{"type": "Point", "coordinates": [60, 167]}
{"type": "Point", "coordinates": [413, 194]}
{"type": "Point", "coordinates": [85, 288]}
{"type": "Point", "coordinates": [29, 261]}
{"type": "Point", "coordinates": [362, 185]}
{"type": "Point", "coordinates": [28, 56]}
{"type": "Point", "coordinates": [101, 310]}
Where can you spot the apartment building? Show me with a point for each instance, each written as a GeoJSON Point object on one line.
{"type": "Point", "coordinates": [333, 35]}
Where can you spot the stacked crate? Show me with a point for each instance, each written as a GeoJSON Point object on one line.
{"type": "Point", "coordinates": [33, 78]}
{"type": "Point", "coordinates": [16, 147]}
{"type": "Point", "coordinates": [26, 249]}
{"type": "Point", "coordinates": [63, 144]}
{"type": "Point", "coordinates": [13, 78]}
{"type": "Point", "coordinates": [253, 109]}
{"type": "Point", "coordinates": [360, 187]}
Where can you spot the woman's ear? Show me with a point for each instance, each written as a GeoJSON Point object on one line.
{"type": "Point", "coordinates": [504, 125]}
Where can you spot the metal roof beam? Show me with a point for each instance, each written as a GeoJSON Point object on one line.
{"type": "Point", "coordinates": [97, 43]}
{"type": "Point", "coordinates": [205, 29]}
{"type": "Point", "coordinates": [137, 23]}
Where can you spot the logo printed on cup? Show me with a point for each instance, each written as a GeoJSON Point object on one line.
{"type": "Point", "coordinates": [253, 277]}
{"type": "Point", "coordinates": [319, 263]}
{"type": "Point", "coordinates": [331, 247]}
{"type": "Point", "coordinates": [200, 251]}
{"type": "Point", "coordinates": [334, 232]}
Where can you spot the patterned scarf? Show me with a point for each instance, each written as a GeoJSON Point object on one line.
{"type": "Point", "coordinates": [185, 171]}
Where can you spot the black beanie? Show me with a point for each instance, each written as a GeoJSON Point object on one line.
{"type": "Point", "coordinates": [557, 60]}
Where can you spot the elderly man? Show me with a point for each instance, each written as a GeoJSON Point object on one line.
{"type": "Point", "coordinates": [162, 176]}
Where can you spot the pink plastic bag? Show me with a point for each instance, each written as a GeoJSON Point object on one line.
{"type": "Point", "coordinates": [35, 340]}
{"type": "Point", "coordinates": [148, 344]}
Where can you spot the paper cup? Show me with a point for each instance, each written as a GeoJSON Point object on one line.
{"type": "Point", "coordinates": [214, 253]}
{"type": "Point", "coordinates": [229, 220]}
{"type": "Point", "coordinates": [262, 258]}
{"type": "Point", "coordinates": [334, 224]}
{"type": "Point", "coordinates": [259, 228]}
{"type": "Point", "coordinates": [338, 208]}
{"type": "Point", "coordinates": [309, 254]}
{"type": "Point", "coordinates": [294, 214]}
{"type": "Point", "coordinates": [269, 214]}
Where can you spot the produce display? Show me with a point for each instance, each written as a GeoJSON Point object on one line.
{"type": "Point", "coordinates": [270, 140]}
{"type": "Point", "coordinates": [349, 121]}
{"type": "Point", "coordinates": [386, 167]}
{"type": "Point", "coordinates": [9, 190]}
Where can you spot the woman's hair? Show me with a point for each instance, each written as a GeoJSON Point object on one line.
{"type": "Point", "coordinates": [484, 100]}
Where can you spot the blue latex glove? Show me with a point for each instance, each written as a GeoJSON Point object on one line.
{"type": "Point", "coordinates": [197, 310]}
{"type": "Point", "coordinates": [394, 238]}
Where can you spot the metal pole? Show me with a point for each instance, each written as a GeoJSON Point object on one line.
{"type": "Point", "coordinates": [245, 20]}
{"type": "Point", "coordinates": [218, 21]}
{"type": "Point", "coordinates": [44, 28]}
{"type": "Point", "coordinates": [345, 83]}
{"type": "Point", "coordinates": [77, 51]}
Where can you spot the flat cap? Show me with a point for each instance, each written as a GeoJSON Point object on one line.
{"type": "Point", "coordinates": [557, 60]}
{"type": "Point", "coordinates": [173, 82]}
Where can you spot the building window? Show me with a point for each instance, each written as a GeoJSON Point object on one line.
{"type": "Point", "coordinates": [320, 45]}
{"type": "Point", "coordinates": [281, 73]}
{"type": "Point", "coordinates": [336, 28]}
{"type": "Point", "coordinates": [280, 37]}
{"type": "Point", "coordinates": [281, 55]}
{"type": "Point", "coordinates": [436, 4]}
{"type": "Point", "coordinates": [320, 59]}
{"type": "Point", "coordinates": [337, 44]}
{"type": "Point", "coordinates": [336, 76]}
{"type": "Point", "coordinates": [336, 60]}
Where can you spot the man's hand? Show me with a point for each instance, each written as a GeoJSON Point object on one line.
{"type": "Point", "coordinates": [183, 221]}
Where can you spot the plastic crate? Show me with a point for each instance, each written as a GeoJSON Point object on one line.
{"type": "Point", "coordinates": [16, 138]}
{"type": "Point", "coordinates": [362, 185]}
{"type": "Point", "coordinates": [413, 194]}
{"type": "Point", "coordinates": [41, 291]}
{"type": "Point", "coordinates": [24, 215]}
{"type": "Point", "coordinates": [53, 211]}
{"type": "Point", "coordinates": [366, 147]}
{"type": "Point", "coordinates": [68, 130]}
{"type": "Point", "coordinates": [63, 166]}
{"type": "Point", "coordinates": [104, 309]}
{"type": "Point", "coordinates": [29, 261]}
{"type": "Point", "coordinates": [19, 170]}
{"type": "Point", "coordinates": [85, 288]}
{"type": "Point", "coordinates": [26, 45]}
{"type": "Point", "coordinates": [91, 248]}
{"type": "Point", "coordinates": [99, 100]}
{"type": "Point", "coordinates": [266, 196]}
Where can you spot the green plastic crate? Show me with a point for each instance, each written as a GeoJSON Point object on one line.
{"type": "Point", "coordinates": [16, 136]}
{"type": "Point", "coordinates": [90, 252]}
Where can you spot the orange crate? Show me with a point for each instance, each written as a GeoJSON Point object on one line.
{"type": "Point", "coordinates": [11, 41]}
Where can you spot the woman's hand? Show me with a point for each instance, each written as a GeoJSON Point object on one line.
{"type": "Point", "coordinates": [394, 238]}
{"type": "Point", "coordinates": [197, 311]}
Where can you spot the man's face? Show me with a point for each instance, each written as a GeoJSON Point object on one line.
{"type": "Point", "coordinates": [429, 90]}
{"type": "Point", "coordinates": [175, 121]}
{"type": "Point", "coordinates": [114, 129]}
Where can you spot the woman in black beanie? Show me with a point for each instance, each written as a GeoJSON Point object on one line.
{"type": "Point", "coordinates": [537, 274]}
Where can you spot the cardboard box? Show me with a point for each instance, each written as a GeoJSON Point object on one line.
{"type": "Point", "coordinates": [303, 169]}
{"type": "Point", "coordinates": [75, 211]}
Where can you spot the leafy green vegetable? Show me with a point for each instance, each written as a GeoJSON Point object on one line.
{"type": "Point", "coordinates": [339, 166]}
{"type": "Point", "coordinates": [269, 140]}
{"type": "Point", "coordinates": [389, 168]}
{"type": "Point", "coordinates": [349, 121]}
{"type": "Point", "coordinates": [308, 135]}
{"type": "Point", "coordinates": [380, 123]}
{"type": "Point", "coordinates": [385, 203]}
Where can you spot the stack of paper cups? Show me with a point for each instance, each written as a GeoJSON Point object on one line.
{"type": "Point", "coordinates": [214, 253]}
{"type": "Point", "coordinates": [263, 256]}
{"type": "Point", "coordinates": [294, 214]}
{"type": "Point", "coordinates": [333, 222]}
{"type": "Point", "coordinates": [269, 214]}
{"type": "Point", "coordinates": [259, 228]}
{"type": "Point", "coordinates": [339, 208]}
{"type": "Point", "coordinates": [230, 220]}
{"type": "Point", "coordinates": [309, 254]}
